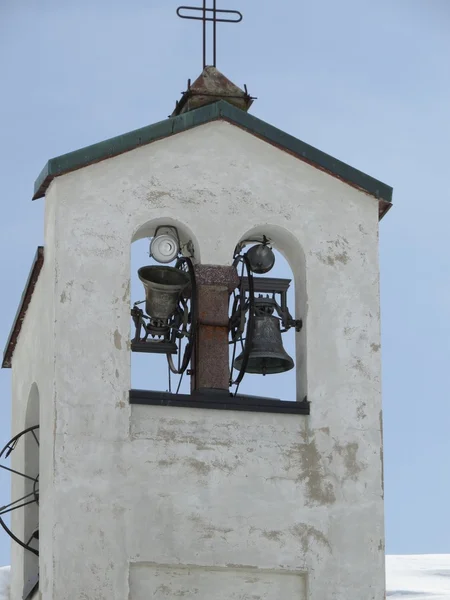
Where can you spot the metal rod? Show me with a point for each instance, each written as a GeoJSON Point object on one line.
{"type": "Point", "coordinates": [170, 379]}
{"type": "Point", "coordinates": [218, 11]}
{"type": "Point", "coordinates": [204, 33]}
{"type": "Point", "coordinates": [214, 32]}
{"type": "Point", "coordinates": [16, 501]}
{"type": "Point", "coordinates": [16, 539]}
{"type": "Point", "coordinates": [229, 16]}
{"type": "Point", "coordinates": [12, 443]}
{"type": "Point", "coordinates": [179, 382]}
{"type": "Point", "coordinates": [34, 435]}
{"type": "Point", "coordinates": [17, 473]}
{"type": "Point", "coordinates": [30, 538]}
{"type": "Point", "coordinates": [3, 512]}
{"type": "Point", "coordinates": [11, 448]}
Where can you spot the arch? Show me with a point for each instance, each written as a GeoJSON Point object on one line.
{"type": "Point", "coordinates": [31, 467]}
{"type": "Point", "coordinates": [186, 234]}
{"type": "Point", "coordinates": [290, 248]}
{"type": "Point", "coordinates": [152, 369]}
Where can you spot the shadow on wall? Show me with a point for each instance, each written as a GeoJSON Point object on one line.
{"type": "Point", "coordinates": [31, 511]}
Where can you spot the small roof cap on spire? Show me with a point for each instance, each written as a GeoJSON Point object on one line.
{"type": "Point", "coordinates": [210, 87]}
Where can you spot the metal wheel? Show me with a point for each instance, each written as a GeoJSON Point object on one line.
{"type": "Point", "coordinates": [30, 498]}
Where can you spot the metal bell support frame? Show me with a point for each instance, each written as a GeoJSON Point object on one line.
{"type": "Point", "coordinates": [252, 324]}
{"type": "Point", "coordinates": [169, 324]}
{"type": "Point", "coordinates": [242, 320]}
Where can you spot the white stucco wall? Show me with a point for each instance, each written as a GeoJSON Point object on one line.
{"type": "Point", "coordinates": [163, 502]}
{"type": "Point", "coordinates": [34, 364]}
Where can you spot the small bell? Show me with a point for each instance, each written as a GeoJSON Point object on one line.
{"type": "Point", "coordinates": [261, 258]}
{"type": "Point", "coordinates": [163, 286]}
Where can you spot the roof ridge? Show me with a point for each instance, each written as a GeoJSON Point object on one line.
{"type": "Point", "coordinates": [222, 110]}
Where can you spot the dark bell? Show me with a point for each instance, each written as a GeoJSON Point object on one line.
{"type": "Point", "coordinates": [163, 286]}
{"type": "Point", "coordinates": [267, 355]}
{"type": "Point", "coordinates": [261, 258]}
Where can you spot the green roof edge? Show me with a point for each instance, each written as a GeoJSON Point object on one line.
{"type": "Point", "coordinates": [218, 110]}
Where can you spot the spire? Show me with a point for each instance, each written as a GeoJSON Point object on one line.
{"type": "Point", "coordinates": [210, 87]}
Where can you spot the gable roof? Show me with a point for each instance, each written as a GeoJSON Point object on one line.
{"type": "Point", "coordinates": [25, 300]}
{"type": "Point", "coordinates": [220, 110]}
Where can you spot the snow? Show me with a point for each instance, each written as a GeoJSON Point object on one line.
{"type": "Point", "coordinates": [410, 577]}
{"type": "Point", "coordinates": [418, 577]}
{"type": "Point", "coordinates": [4, 583]}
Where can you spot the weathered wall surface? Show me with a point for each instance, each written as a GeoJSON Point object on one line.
{"type": "Point", "coordinates": [33, 379]}
{"type": "Point", "coordinates": [293, 502]}
{"type": "Point", "coordinates": [150, 581]}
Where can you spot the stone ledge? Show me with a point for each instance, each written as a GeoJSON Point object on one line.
{"type": "Point", "coordinates": [219, 400]}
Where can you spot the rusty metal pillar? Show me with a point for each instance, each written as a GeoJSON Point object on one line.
{"type": "Point", "coordinates": [211, 360]}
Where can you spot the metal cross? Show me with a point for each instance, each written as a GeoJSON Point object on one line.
{"type": "Point", "coordinates": [215, 11]}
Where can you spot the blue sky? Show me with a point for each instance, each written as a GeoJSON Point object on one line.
{"type": "Point", "coordinates": [366, 81]}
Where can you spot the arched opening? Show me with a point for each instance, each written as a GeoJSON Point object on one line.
{"type": "Point", "coordinates": [31, 511]}
{"type": "Point", "coordinates": [290, 265]}
{"type": "Point", "coordinates": [151, 370]}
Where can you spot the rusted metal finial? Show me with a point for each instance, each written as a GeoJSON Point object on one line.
{"type": "Point", "coordinates": [215, 11]}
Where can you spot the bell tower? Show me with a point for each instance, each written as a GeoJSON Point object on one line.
{"type": "Point", "coordinates": [210, 493]}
